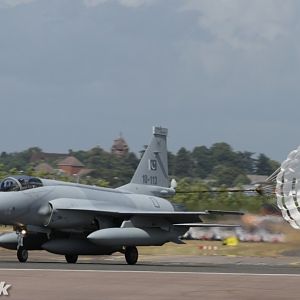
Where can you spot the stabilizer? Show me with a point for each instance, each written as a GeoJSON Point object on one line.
{"type": "Point", "coordinates": [153, 167]}
{"type": "Point", "coordinates": [151, 175]}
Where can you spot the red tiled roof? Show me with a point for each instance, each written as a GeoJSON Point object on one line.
{"type": "Point", "coordinates": [44, 167]}
{"type": "Point", "coordinates": [71, 161]}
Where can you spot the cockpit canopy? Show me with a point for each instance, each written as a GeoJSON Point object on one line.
{"type": "Point", "coordinates": [19, 183]}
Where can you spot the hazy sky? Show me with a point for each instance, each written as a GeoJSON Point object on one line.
{"type": "Point", "coordinates": [74, 73]}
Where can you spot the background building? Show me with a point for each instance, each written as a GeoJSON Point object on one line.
{"type": "Point", "coordinates": [120, 147]}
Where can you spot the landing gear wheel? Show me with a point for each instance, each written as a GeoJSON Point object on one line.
{"type": "Point", "coordinates": [131, 255]}
{"type": "Point", "coordinates": [71, 258]}
{"type": "Point", "coordinates": [22, 254]}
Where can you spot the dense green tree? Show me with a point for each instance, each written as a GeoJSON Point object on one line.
{"type": "Point", "coordinates": [171, 163]}
{"type": "Point", "coordinates": [265, 166]}
{"type": "Point", "coordinates": [183, 163]}
{"type": "Point", "coordinates": [245, 161]}
{"type": "Point", "coordinates": [222, 153]}
{"type": "Point", "coordinates": [202, 161]}
{"type": "Point", "coordinates": [214, 200]}
{"type": "Point", "coordinates": [192, 201]}
{"type": "Point", "coordinates": [240, 180]}
{"type": "Point", "coordinates": [225, 175]}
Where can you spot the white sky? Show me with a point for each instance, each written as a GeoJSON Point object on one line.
{"type": "Point", "coordinates": [74, 73]}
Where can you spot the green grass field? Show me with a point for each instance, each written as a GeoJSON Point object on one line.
{"type": "Point", "coordinates": [195, 247]}
{"type": "Point", "coordinates": [242, 249]}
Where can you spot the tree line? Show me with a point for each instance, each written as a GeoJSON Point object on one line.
{"type": "Point", "coordinates": [204, 168]}
{"type": "Point", "coordinates": [218, 165]}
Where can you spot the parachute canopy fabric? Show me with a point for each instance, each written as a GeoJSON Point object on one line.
{"type": "Point", "coordinates": [288, 189]}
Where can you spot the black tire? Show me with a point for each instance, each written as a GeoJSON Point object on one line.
{"type": "Point", "coordinates": [71, 258]}
{"type": "Point", "coordinates": [22, 254]}
{"type": "Point", "coordinates": [131, 255]}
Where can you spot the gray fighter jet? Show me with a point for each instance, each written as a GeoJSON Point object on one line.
{"type": "Point", "coordinates": [74, 219]}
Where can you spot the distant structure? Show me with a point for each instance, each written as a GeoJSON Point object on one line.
{"type": "Point", "coordinates": [72, 166]}
{"type": "Point", "coordinates": [256, 179]}
{"type": "Point", "coordinates": [37, 156]}
{"type": "Point", "coordinates": [51, 163]}
{"type": "Point", "coordinates": [44, 168]}
{"type": "Point", "coordinates": [120, 147]}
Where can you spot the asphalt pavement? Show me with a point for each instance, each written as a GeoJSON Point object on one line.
{"type": "Point", "coordinates": [46, 276]}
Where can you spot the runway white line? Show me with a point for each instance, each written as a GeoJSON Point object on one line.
{"type": "Point", "coordinates": [153, 272]}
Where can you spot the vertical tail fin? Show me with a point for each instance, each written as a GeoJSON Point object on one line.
{"type": "Point", "coordinates": [153, 167]}
{"type": "Point", "coordinates": [151, 175]}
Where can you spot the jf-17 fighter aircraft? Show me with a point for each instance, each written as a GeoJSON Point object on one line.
{"type": "Point", "coordinates": [75, 219]}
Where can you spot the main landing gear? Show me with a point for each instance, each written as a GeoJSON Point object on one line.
{"type": "Point", "coordinates": [71, 258]}
{"type": "Point", "coordinates": [131, 255]}
{"type": "Point", "coordinates": [22, 254]}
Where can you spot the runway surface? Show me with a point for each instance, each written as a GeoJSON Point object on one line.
{"type": "Point", "coordinates": [47, 276]}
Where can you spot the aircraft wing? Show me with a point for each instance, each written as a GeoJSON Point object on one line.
{"type": "Point", "coordinates": [101, 208]}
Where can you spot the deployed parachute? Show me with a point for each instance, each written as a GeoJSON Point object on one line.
{"type": "Point", "coordinates": [285, 183]}
{"type": "Point", "coordinates": [288, 188]}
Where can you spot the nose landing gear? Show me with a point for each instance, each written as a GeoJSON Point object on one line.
{"type": "Point", "coordinates": [22, 254]}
